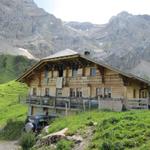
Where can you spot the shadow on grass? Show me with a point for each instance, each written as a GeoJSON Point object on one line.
{"type": "Point", "coordinates": [12, 130]}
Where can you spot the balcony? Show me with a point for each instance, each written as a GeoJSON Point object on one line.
{"type": "Point", "coordinates": [74, 103]}
{"type": "Point", "coordinates": [69, 103]}
{"type": "Point", "coordinates": [138, 103]}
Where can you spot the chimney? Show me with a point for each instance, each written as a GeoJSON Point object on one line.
{"type": "Point", "coordinates": [86, 53]}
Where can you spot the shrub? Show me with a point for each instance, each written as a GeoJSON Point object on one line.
{"type": "Point", "coordinates": [27, 140]}
{"type": "Point", "coordinates": [106, 145]}
{"type": "Point", "coordinates": [64, 145]}
{"type": "Point", "coordinates": [118, 146]}
{"type": "Point", "coordinates": [12, 130]}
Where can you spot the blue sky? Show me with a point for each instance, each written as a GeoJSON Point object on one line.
{"type": "Point", "coordinates": [96, 11]}
{"type": "Point", "coordinates": [48, 5]}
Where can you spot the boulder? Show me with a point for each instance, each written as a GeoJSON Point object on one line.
{"type": "Point", "coordinates": [52, 138]}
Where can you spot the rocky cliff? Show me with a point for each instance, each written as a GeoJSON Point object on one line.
{"type": "Point", "coordinates": [28, 30]}
{"type": "Point", "coordinates": [24, 25]}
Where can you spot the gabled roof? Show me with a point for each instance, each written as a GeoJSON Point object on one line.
{"type": "Point", "coordinates": [67, 52]}
{"type": "Point", "coordinates": [93, 58]}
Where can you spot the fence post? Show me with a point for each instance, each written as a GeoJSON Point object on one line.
{"type": "Point", "coordinates": [98, 102]}
{"type": "Point", "coordinates": [66, 109]}
{"type": "Point", "coordinates": [148, 102]}
{"type": "Point", "coordinates": [89, 104]}
{"type": "Point", "coordinates": [83, 105]}
{"type": "Point", "coordinates": [69, 103]}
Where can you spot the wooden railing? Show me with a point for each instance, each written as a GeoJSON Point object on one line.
{"type": "Point", "coordinates": [84, 103]}
{"type": "Point", "coordinates": [65, 102]}
{"type": "Point", "coordinates": [138, 103]}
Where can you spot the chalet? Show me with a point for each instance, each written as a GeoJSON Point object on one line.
{"type": "Point", "coordinates": [69, 82]}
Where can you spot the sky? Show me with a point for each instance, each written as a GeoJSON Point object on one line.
{"type": "Point", "coordinates": [95, 11]}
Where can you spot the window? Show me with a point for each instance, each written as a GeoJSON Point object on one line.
{"type": "Point", "coordinates": [72, 92]}
{"type": "Point", "coordinates": [76, 92]}
{"type": "Point", "coordinates": [79, 92]}
{"type": "Point", "coordinates": [59, 92]}
{"type": "Point", "coordinates": [46, 91]}
{"type": "Point", "coordinates": [60, 73]}
{"type": "Point", "coordinates": [34, 92]}
{"type": "Point", "coordinates": [74, 72]}
{"type": "Point", "coordinates": [100, 92]}
{"type": "Point", "coordinates": [143, 94]}
{"type": "Point", "coordinates": [93, 72]}
{"type": "Point", "coordinates": [107, 92]}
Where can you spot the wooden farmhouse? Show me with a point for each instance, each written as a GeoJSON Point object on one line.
{"type": "Point", "coordinates": [69, 82]}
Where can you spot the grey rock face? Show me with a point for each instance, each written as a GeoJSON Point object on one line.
{"type": "Point", "coordinates": [24, 25]}
{"type": "Point", "coordinates": [124, 40]}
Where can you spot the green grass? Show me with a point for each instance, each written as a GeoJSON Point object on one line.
{"type": "Point", "coordinates": [10, 107]}
{"type": "Point", "coordinates": [114, 130]}
{"type": "Point", "coordinates": [64, 145]}
{"type": "Point", "coordinates": [12, 113]}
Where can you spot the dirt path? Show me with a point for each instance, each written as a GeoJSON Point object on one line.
{"type": "Point", "coordinates": [86, 140]}
{"type": "Point", "coordinates": [9, 145]}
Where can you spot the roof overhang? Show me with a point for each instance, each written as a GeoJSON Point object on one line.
{"type": "Point", "coordinates": [52, 59]}
{"type": "Point", "coordinates": [26, 73]}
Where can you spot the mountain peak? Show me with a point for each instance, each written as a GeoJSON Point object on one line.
{"type": "Point", "coordinates": [121, 16]}
{"type": "Point", "coordinates": [124, 14]}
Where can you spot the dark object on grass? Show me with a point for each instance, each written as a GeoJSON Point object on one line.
{"type": "Point", "coordinates": [38, 122]}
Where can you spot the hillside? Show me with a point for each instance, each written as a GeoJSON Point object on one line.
{"type": "Point", "coordinates": [13, 66]}
{"type": "Point", "coordinates": [12, 112]}
{"type": "Point", "coordinates": [10, 108]}
{"type": "Point", "coordinates": [99, 129]}
{"type": "Point", "coordinates": [102, 130]}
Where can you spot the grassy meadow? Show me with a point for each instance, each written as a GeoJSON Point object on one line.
{"type": "Point", "coordinates": [12, 113]}
{"type": "Point", "coordinates": [114, 130]}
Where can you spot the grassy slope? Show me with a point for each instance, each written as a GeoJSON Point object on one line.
{"type": "Point", "coordinates": [114, 131]}
{"type": "Point", "coordinates": [12, 66]}
{"type": "Point", "coordinates": [9, 105]}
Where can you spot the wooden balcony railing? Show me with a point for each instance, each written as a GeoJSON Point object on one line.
{"type": "Point", "coordinates": [84, 103]}
{"type": "Point", "coordinates": [138, 103]}
{"type": "Point", "coordinates": [65, 102]}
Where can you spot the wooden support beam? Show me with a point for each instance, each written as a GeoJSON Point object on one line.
{"type": "Point", "coordinates": [39, 78]}
{"type": "Point", "coordinates": [102, 72]}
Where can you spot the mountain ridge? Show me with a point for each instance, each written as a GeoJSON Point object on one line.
{"type": "Point", "coordinates": [123, 42]}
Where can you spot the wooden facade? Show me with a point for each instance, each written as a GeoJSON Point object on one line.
{"type": "Point", "coordinates": [58, 83]}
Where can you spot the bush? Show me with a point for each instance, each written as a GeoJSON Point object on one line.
{"type": "Point", "coordinates": [64, 145]}
{"type": "Point", "coordinates": [106, 145]}
{"type": "Point", "coordinates": [118, 146]}
{"type": "Point", "coordinates": [12, 130]}
{"type": "Point", "coordinates": [27, 140]}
